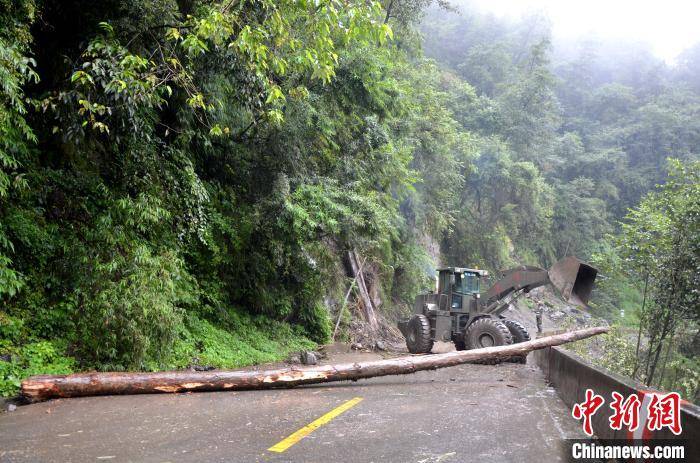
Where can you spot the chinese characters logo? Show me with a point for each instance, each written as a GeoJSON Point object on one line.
{"type": "Point", "coordinates": [661, 411]}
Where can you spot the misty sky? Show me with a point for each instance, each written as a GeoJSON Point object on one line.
{"type": "Point", "coordinates": [669, 26]}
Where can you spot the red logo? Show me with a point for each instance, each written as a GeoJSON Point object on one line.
{"type": "Point", "coordinates": [665, 411]}
{"type": "Point", "coordinates": [638, 413]}
{"type": "Point", "coordinates": [625, 411]}
{"type": "Point", "coordinates": [587, 409]}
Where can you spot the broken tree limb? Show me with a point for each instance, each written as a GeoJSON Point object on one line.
{"type": "Point", "coordinates": [345, 301]}
{"type": "Point", "coordinates": [367, 304]}
{"type": "Point", "coordinates": [342, 307]}
{"type": "Point", "coordinates": [38, 388]}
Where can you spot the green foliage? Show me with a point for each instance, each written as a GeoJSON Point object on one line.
{"type": "Point", "coordinates": [595, 131]}
{"type": "Point", "coordinates": [273, 39]}
{"type": "Point", "coordinates": [505, 204]}
{"type": "Point", "coordinates": [42, 357]}
{"type": "Point", "coordinates": [618, 296]}
{"type": "Point", "coordinates": [16, 70]}
{"type": "Point", "coordinates": [22, 356]}
{"type": "Point", "coordinates": [130, 309]}
{"type": "Point", "coordinates": [661, 239]}
{"type": "Point", "coordinates": [180, 172]}
{"type": "Point", "coordinates": [613, 350]}
{"type": "Point", "coordinates": [683, 375]}
{"type": "Point", "coordinates": [243, 340]}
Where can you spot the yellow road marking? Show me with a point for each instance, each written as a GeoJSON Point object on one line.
{"type": "Point", "coordinates": [284, 444]}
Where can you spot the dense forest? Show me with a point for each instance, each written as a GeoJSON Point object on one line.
{"type": "Point", "coordinates": [181, 180]}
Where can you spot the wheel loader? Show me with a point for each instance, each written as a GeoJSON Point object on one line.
{"type": "Point", "coordinates": [459, 312]}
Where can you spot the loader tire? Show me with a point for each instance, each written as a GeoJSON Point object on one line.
{"type": "Point", "coordinates": [418, 340]}
{"type": "Point", "coordinates": [517, 330]}
{"type": "Point", "coordinates": [487, 332]}
{"type": "Point", "coordinates": [519, 334]}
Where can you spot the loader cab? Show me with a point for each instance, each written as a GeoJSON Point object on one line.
{"type": "Point", "coordinates": [457, 287]}
{"type": "Point", "coordinates": [467, 283]}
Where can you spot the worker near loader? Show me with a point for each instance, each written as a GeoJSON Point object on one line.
{"type": "Point", "coordinates": [539, 308]}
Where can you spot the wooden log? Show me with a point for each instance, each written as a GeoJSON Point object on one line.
{"type": "Point", "coordinates": [38, 388]}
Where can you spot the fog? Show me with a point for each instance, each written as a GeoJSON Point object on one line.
{"type": "Point", "coordinates": [668, 27]}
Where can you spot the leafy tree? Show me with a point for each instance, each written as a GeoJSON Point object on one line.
{"type": "Point", "coordinates": [661, 238]}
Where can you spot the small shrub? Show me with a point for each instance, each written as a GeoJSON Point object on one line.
{"type": "Point", "coordinates": [248, 341]}
{"type": "Point", "coordinates": [131, 316]}
{"type": "Point", "coordinates": [41, 357]}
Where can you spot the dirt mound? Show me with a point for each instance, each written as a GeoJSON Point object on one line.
{"type": "Point", "coordinates": [385, 337]}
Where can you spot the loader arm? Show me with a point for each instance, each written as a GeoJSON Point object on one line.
{"type": "Point", "coordinates": [513, 282]}
{"type": "Point", "coordinates": [572, 278]}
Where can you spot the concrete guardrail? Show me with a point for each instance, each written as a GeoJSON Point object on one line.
{"type": "Point", "coordinates": [571, 375]}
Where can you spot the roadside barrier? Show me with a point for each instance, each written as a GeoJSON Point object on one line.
{"type": "Point", "coordinates": [571, 376]}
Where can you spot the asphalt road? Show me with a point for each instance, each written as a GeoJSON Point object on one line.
{"type": "Point", "coordinates": [503, 413]}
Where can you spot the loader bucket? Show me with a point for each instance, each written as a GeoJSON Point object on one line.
{"type": "Point", "coordinates": [574, 280]}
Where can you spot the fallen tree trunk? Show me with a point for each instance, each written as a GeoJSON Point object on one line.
{"type": "Point", "coordinates": [45, 387]}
